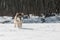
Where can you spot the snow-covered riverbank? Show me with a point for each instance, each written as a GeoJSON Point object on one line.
{"type": "Point", "coordinates": [52, 19]}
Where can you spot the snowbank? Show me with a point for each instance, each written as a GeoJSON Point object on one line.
{"type": "Point", "coordinates": [53, 19]}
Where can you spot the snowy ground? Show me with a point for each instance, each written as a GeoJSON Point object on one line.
{"type": "Point", "coordinates": [32, 29]}
{"type": "Point", "coordinates": [38, 31]}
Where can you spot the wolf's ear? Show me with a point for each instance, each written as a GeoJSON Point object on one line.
{"type": "Point", "coordinates": [17, 13]}
{"type": "Point", "coordinates": [22, 13]}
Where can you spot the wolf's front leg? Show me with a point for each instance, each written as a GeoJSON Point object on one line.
{"type": "Point", "coordinates": [15, 25]}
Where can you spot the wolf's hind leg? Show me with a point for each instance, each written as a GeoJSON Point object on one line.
{"type": "Point", "coordinates": [19, 25]}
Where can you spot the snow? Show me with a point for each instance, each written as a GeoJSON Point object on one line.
{"type": "Point", "coordinates": [32, 29]}
{"type": "Point", "coordinates": [38, 31]}
{"type": "Point", "coordinates": [53, 19]}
